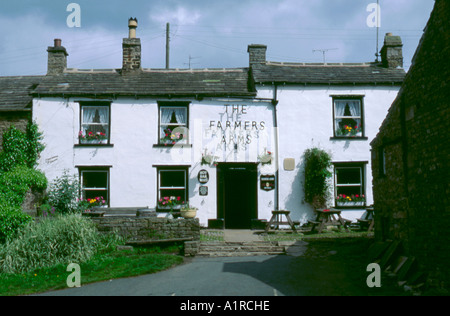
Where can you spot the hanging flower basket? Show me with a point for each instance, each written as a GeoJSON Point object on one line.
{"type": "Point", "coordinates": [265, 158]}
{"type": "Point", "coordinates": [209, 159]}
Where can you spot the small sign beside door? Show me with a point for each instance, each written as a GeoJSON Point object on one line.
{"type": "Point", "coordinates": [203, 176]}
{"type": "Point", "coordinates": [267, 182]}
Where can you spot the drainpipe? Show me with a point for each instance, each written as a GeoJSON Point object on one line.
{"type": "Point", "coordinates": [277, 173]}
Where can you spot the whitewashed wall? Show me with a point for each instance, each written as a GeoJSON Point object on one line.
{"type": "Point", "coordinates": [133, 158]}
{"type": "Point", "coordinates": [305, 120]}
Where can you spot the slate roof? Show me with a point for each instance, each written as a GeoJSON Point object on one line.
{"type": "Point", "coordinates": [326, 74]}
{"type": "Point", "coordinates": [15, 92]}
{"type": "Point", "coordinates": [170, 82]}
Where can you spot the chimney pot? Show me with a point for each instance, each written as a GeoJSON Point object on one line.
{"type": "Point", "coordinates": [57, 42]}
{"type": "Point", "coordinates": [132, 26]}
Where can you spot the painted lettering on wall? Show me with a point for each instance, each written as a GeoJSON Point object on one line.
{"type": "Point", "coordinates": [233, 127]}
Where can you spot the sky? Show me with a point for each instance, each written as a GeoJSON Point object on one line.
{"type": "Point", "coordinates": [203, 33]}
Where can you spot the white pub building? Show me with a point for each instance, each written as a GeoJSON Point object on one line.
{"type": "Point", "coordinates": [227, 141]}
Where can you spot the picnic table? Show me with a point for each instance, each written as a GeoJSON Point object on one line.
{"type": "Point", "coordinates": [276, 220]}
{"type": "Point", "coordinates": [328, 217]}
{"type": "Point", "coordinates": [368, 220]}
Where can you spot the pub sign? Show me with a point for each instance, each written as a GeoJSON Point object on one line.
{"type": "Point", "coordinates": [267, 182]}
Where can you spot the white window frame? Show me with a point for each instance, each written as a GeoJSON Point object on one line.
{"type": "Point", "coordinates": [106, 126]}
{"type": "Point", "coordinates": [181, 127]}
{"type": "Point", "coordinates": [185, 187]}
{"type": "Point", "coordinates": [336, 100]}
{"type": "Point", "coordinates": [84, 189]}
{"type": "Point", "coordinates": [362, 179]}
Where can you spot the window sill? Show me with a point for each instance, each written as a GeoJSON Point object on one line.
{"type": "Point", "coordinates": [94, 145]}
{"type": "Point", "coordinates": [170, 145]}
{"type": "Point", "coordinates": [349, 138]}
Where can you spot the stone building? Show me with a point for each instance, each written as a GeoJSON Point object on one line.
{"type": "Point", "coordinates": [410, 155]}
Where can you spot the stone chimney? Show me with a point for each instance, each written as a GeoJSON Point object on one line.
{"type": "Point", "coordinates": [57, 58]}
{"type": "Point", "coordinates": [257, 54]}
{"type": "Point", "coordinates": [131, 49]}
{"type": "Point", "coordinates": [392, 51]}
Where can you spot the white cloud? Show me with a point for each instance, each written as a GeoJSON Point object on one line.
{"type": "Point", "coordinates": [180, 15]}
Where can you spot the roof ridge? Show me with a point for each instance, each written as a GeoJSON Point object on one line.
{"type": "Point", "coordinates": [300, 64]}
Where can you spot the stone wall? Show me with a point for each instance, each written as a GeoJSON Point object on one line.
{"type": "Point", "coordinates": [149, 228]}
{"type": "Point", "coordinates": [412, 196]}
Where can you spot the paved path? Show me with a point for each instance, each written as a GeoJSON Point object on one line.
{"type": "Point", "coordinates": [239, 235]}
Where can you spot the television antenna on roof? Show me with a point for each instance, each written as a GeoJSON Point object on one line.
{"type": "Point", "coordinates": [190, 61]}
{"type": "Point", "coordinates": [324, 51]}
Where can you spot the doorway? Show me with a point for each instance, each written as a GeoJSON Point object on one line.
{"type": "Point", "coordinates": [237, 194]}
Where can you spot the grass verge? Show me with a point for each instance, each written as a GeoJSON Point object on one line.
{"type": "Point", "coordinates": [107, 266]}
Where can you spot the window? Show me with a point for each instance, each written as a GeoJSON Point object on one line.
{"type": "Point", "coordinates": [348, 118]}
{"type": "Point", "coordinates": [173, 123]}
{"type": "Point", "coordinates": [94, 123]}
{"type": "Point", "coordinates": [172, 186]}
{"type": "Point", "coordinates": [95, 183]}
{"type": "Point", "coordinates": [349, 184]}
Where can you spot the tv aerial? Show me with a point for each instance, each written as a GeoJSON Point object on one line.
{"type": "Point", "coordinates": [324, 51]}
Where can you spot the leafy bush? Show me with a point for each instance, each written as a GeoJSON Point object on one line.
{"type": "Point", "coordinates": [15, 184]}
{"type": "Point", "coordinates": [317, 173]}
{"type": "Point", "coordinates": [59, 240]}
{"type": "Point", "coordinates": [63, 194]}
{"type": "Point", "coordinates": [20, 148]}
{"type": "Point", "coordinates": [11, 220]}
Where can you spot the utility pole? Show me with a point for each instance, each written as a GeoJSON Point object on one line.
{"type": "Point", "coordinates": [167, 44]}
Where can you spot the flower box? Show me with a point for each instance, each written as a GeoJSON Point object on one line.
{"type": "Point", "coordinates": [349, 204]}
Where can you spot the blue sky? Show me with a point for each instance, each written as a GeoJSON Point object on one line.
{"type": "Point", "coordinates": [206, 33]}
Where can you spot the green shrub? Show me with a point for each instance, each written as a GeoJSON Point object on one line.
{"type": "Point", "coordinates": [63, 194]}
{"type": "Point", "coordinates": [20, 148]}
{"type": "Point", "coordinates": [11, 221]}
{"type": "Point", "coordinates": [15, 184]}
{"type": "Point", "coordinates": [317, 173]}
{"type": "Point", "coordinates": [58, 240]}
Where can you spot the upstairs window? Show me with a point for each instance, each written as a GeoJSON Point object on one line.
{"type": "Point", "coordinates": [94, 123]}
{"type": "Point", "coordinates": [173, 123]}
{"type": "Point", "coordinates": [348, 118]}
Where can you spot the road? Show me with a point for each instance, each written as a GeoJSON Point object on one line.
{"type": "Point", "coordinates": [329, 271]}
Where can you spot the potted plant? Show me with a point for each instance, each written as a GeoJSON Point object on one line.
{"type": "Point", "coordinates": [188, 211]}
{"type": "Point", "coordinates": [170, 203]}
